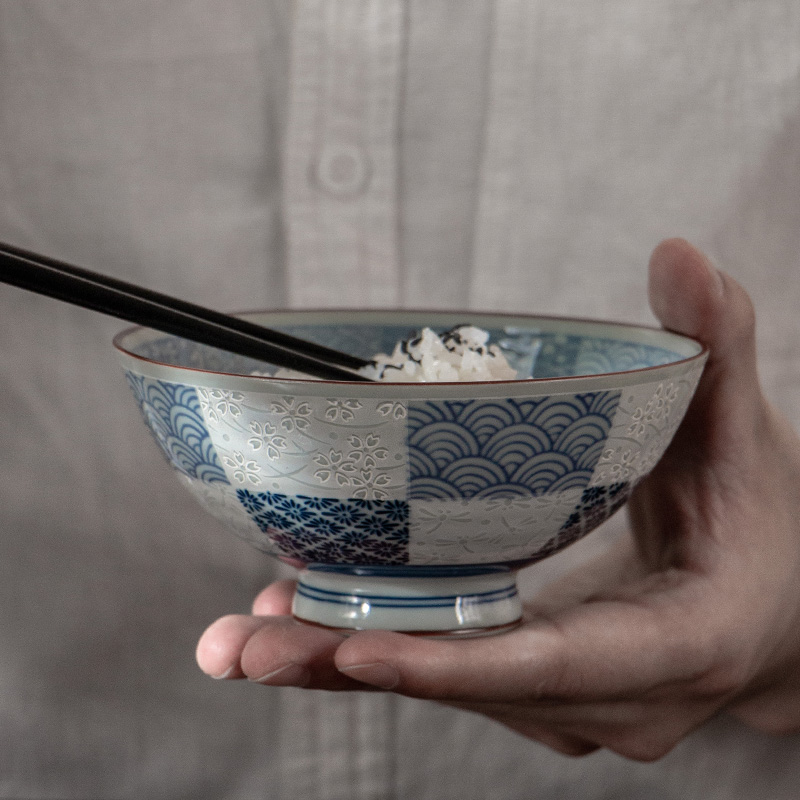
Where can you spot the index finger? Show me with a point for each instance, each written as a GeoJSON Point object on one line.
{"type": "Point", "coordinates": [601, 649]}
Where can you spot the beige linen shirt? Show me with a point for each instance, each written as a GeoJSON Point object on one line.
{"type": "Point", "coordinates": [519, 154]}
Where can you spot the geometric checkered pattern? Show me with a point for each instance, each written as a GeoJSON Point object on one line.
{"type": "Point", "coordinates": [387, 481]}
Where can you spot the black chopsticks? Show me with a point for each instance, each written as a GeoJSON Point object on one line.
{"type": "Point", "coordinates": [78, 286]}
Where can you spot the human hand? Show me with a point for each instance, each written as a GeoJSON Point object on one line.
{"type": "Point", "coordinates": [697, 611]}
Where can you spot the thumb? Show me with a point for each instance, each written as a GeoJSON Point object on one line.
{"type": "Point", "coordinates": [690, 296]}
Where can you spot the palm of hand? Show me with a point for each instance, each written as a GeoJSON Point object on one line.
{"type": "Point", "coordinates": [695, 612]}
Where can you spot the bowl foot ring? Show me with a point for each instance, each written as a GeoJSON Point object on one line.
{"type": "Point", "coordinates": [440, 602]}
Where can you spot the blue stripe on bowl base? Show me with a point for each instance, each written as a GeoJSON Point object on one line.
{"type": "Point", "coordinates": [455, 603]}
{"type": "Point", "coordinates": [397, 601]}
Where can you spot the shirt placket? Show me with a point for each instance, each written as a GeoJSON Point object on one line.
{"type": "Point", "coordinates": [341, 226]}
{"type": "Point", "coordinates": [498, 225]}
{"type": "Point", "coordinates": [341, 160]}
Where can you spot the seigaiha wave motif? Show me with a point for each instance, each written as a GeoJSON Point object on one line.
{"type": "Point", "coordinates": [598, 356]}
{"type": "Point", "coordinates": [506, 448]}
{"type": "Point", "coordinates": [172, 412]}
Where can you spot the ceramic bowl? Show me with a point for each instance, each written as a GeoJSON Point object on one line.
{"type": "Point", "coordinates": [412, 506]}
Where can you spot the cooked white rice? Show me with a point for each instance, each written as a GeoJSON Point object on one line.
{"type": "Point", "coordinates": [460, 354]}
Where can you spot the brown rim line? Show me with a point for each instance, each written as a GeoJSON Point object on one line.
{"type": "Point", "coordinates": [117, 343]}
{"type": "Point", "coordinates": [463, 633]}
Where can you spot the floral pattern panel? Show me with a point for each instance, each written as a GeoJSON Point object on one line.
{"type": "Point", "coordinates": [331, 531]}
{"type": "Point", "coordinates": [314, 446]}
{"type": "Point", "coordinates": [646, 421]}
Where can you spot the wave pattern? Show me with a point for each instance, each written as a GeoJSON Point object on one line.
{"type": "Point", "coordinates": [505, 447]}
{"type": "Point", "coordinates": [591, 355]}
{"type": "Point", "coordinates": [172, 413]}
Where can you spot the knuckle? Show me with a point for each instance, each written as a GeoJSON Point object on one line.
{"type": "Point", "coordinates": [720, 681]}
{"type": "Point", "coordinates": [559, 675]}
{"type": "Point", "coordinates": [711, 661]}
{"type": "Point", "coordinates": [724, 670]}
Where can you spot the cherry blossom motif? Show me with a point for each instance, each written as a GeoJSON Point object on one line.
{"type": "Point", "coordinates": [295, 414]}
{"type": "Point", "coordinates": [244, 470]}
{"type": "Point", "coordinates": [218, 403]}
{"type": "Point", "coordinates": [617, 464]}
{"type": "Point", "coordinates": [393, 409]}
{"type": "Point", "coordinates": [343, 409]}
{"type": "Point", "coordinates": [367, 451]}
{"type": "Point", "coordinates": [646, 421]}
{"type": "Point", "coordinates": [655, 412]}
{"type": "Point", "coordinates": [266, 437]}
{"type": "Point", "coordinates": [334, 466]}
{"type": "Point", "coordinates": [368, 484]}
{"type": "Point", "coordinates": [346, 471]}
{"type": "Point", "coordinates": [651, 453]}
{"type": "Point", "coordinates": [357, 467]}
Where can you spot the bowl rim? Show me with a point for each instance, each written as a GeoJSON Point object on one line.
{"type": "Point", "coordinates": [118, 343]}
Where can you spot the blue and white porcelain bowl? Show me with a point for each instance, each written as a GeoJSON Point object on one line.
{"type": "Point", "coordinates": [411, 506]}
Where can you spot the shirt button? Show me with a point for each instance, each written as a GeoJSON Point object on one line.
{"type": "Point", "coordinates": [342, 170]}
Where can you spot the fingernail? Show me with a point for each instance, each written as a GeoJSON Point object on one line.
{"type": "Point", "coordinates": [384, 676]}
{"type": "Point", "coordinates": [288, 675]}
{"type": "Point", "coordinates": [228, 672]}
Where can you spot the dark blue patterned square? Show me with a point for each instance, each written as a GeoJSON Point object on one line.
{"type": "Point", "coordinates": [325, 530]}
{"type": "Point", "coordinates": [596, 505]}
{"type": "Point", "coordinates": [506, 447]}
